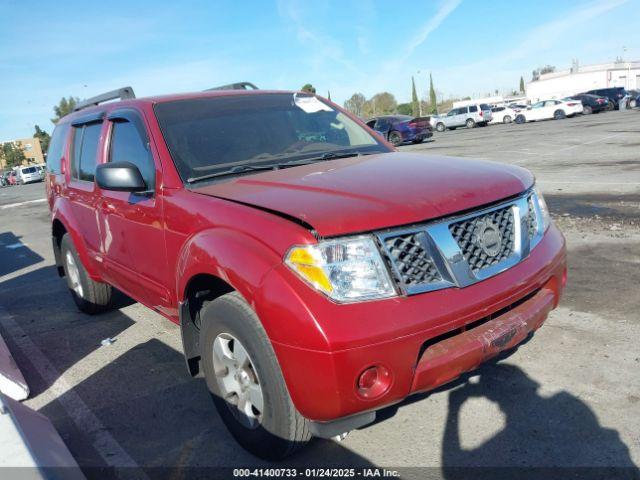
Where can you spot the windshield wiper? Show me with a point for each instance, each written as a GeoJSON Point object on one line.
{"type": "Point", "coordinates": [275, 166]}
{"type": "Point", "coordinates": [233, 171]}
{"type": "Point", "coordinates": [324, 156]}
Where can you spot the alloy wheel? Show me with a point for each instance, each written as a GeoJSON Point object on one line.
{"type": "Point", "coordinates": [238, 380]}
{"type": "Point", "coordinates": [74, 274]}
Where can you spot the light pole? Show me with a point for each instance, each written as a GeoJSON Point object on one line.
{"type": "Point", "coordinates": [419, 100]}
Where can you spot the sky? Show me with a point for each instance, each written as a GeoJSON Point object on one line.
{"type": "Point", "coordinates": [82, 48]}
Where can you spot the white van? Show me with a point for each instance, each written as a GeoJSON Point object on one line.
{"type": "Point", "coordinates": [28, 175]}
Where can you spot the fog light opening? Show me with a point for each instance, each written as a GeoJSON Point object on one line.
{"type": "Point", "coordinates": [373, 382]}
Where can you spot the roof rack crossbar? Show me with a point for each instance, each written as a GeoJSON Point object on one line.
{"type": "Point", "coordinates": [119, 94]}
{"type": "Point", "coordinates": [235, 86]}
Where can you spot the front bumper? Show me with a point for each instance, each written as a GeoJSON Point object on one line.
{"type": "Point", "coordinates": [423, 340]}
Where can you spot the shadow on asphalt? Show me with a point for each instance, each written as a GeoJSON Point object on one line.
{"type": "Point", "coordinates": [165, 420]}
{"type": "Point", "coordinates": [15, 255]}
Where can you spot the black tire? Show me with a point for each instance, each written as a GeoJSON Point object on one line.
{"type": "Point", "coordinates": [587, 110]}
{"type": "Point", "coordinates": [470, 123]}
{"type": "Point", "coordinates": [507, 119]}
{"type": "Point", "coordinates": [520, 119]}
{"type": "Point", "coordinates": [95, 297]}
{"type": "Point", "coordinates": [559, 114]}
{"type": "Point", "coordinates": [610, 107]}
{"type": "Point", "coordinates": [440, 127]}
{"type": "Point", "coordinates": [282, 430]}
{"type": "Point", "coordinates": [395, 138]}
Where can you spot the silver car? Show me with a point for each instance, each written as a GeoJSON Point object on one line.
{"type": "Point", "coordinates": [469, 116]}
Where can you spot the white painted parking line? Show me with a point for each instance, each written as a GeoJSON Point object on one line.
{"type": "Point", "coordinates": [20, 204]}
{"type": "Point", "coordinates": [104, 443]}
{"type": "Point", "coordinates": [15, 245]}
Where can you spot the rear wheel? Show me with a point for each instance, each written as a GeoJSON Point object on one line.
{"type": "Point", "coordinates": [440, 127]}
{"type": "Point", "coordinates": [245, 381]}
{"type": "Point", "coordinates": [507, 119]}
{"type": "Point", "coordinates": [520, 119]}
{"type": "Point", "coordinates": [470, 123]}
{"type": "Point", "coordinates": [559, 114]}
{"type": "Point", "coordinates": [89, 296]}
{"type": "Point", "coordinates": [587, 110]}
{"type": "Point", "coordinates": [395, 138]}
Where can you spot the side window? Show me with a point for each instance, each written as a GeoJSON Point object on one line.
{"type": "Point", "coordinates": [473, 108]}
{"type": "Point", "coordinates": [85, 151]}
{"type": "Point", "coordinates": [128, 146]}
{"type": "Point", "coordinates": [56, 148]}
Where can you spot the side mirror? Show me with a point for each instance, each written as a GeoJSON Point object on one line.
{"type": "Point", "coordinates": [120, 177]}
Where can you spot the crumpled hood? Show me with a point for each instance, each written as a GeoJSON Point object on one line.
{"type": "Point", "coordinates": [377, 191]}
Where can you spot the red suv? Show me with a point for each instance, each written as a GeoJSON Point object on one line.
{"type": "Point", "coordinates": [316, 274]}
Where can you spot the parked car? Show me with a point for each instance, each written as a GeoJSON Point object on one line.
{"type": "Point", "coordinates": [590, 103]}
{"type": "Point", "coordinates": [614, 94]}
{"type": "Point", "coordinates": [635, 95]}
{"type": "Point", "coordinates": [27, 175]}
{"type": "Point", "coordinates": [549, 109]}
{"type": "Point", "coordinates": [518, 106]}
{"type": "Point", "coordinates": [468, 116]}
{"type": "Point", "coordinates": [316, 274]}
{"type": "Point", "coordinates": [4, 179]}
{"type": "Point", "coordinates": [12, 178]}
{"type": "Point", "coordinates": [399, 129]}
{"type": "Point", "coordinates": [502, 114]}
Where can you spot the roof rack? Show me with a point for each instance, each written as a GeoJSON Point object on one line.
{"type": "Point", "coordinates": [235, 86]}
{"type": "Point", "coordinates": [119, 94]}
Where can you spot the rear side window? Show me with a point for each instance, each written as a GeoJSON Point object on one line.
{"type": "Point", "coordinates": [484, 106]}
{"type": "Point", "coordinates": [473, 108]}
{"type": "Point", "coordinates": [127, 146]}
{"type": "Point", "coordinates": [56, 148]}
{"type": "Point", "coordinates": [85, 151]}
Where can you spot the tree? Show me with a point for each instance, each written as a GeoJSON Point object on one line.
{"type": "Point", "coordinates": [356, 104]}
{"type": "Point", "coordinates": [44, 138]}
{"type": "Point", "coordinates": [521, 84]}
{"type": "Point", "coordinates": [433, 101]}
{"type": "Point", "coordinates": [307, 87]}
{"type": "Point", "coordinates": [535, 75]}
{"type": "Point", "coordinates": [380, 104]}
{"type": "Point", "coordinates": [12, 155]}
{"type": "Point", "coordinates": [405, 109]}
{"type": "Point", "coordinates": [65, 107]}
{"type": "Point", "coordinates": [415, 104]}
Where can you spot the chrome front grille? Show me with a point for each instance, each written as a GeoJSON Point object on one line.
{"type": "Point", "coordinates": [468, 235]}
{"type": "Point", "coordinates": [465, 249]}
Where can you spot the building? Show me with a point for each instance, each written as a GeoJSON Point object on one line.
{"type": "Point", "coordinates": [31, 149]}
{"type": "Point", "coordinates": [494, 101]}
{"type": "Point", "coordinates": [579, 79]}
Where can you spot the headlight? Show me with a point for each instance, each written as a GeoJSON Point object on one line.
{"type": "Point", "coordinates": [542, 207]}
{"type": "Point", "coordinates": [346, 270]}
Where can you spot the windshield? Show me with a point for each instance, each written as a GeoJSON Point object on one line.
{"type": "Point", "coordinates": [215, 134]}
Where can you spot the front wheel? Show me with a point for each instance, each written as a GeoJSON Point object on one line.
{"type": "Point", "coordinates": [520, 119]}
{"type": "Point", "coordinates": [470, 123]}
{"type": "Point", "coordinates": [245, 381]}
{"type": "Point", "coordinates": [89, 296]}
{"type": "Point", "coordinates": [440, 127]}
{"type": "Point", "coordinates": [395, 138]}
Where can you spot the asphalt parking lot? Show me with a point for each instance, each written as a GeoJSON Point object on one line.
{"type": "Point", "coordinates": [570, 397]}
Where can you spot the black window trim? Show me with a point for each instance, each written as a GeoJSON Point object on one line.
{"type": "Point", "coordinates": [74, 175]}
{"type": "Point", "coordinates": [88, 118]}
{"type": "Point", "coordinates": [134, 117]}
